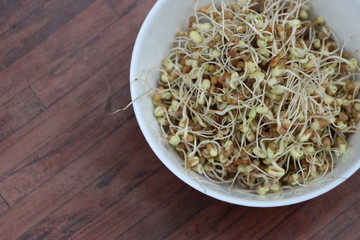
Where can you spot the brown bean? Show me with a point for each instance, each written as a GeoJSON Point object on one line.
{"type": "Point", "coordinates": [326, 141]}
{"type": "Point", "coordinates": [233, 54]}
{"type": "Point", "coordinates": [233, 168]}
{"type": "Point", "coordinates": [214, 80]}
{"type": "Point", "coordinates": [192, 20]}
{"type": "Point", "coordinates": [343, 117]}
{"type": "Point", "coordinates": [224, 98]}
{"type": "Point", "coordinates": [349, 109]}
{"type": "Point", "coordinates": [279, 30]}
{"type": "Point", "coordinates": [211, 44]}
{"type": "Point", "coordinates": [273, 146]}
{"type": "Point", "coordinates": [274, 62]}
{"type": "Point", "coordinates": [218, 38]}
{"type": "Point", "coordinates": [203, 9]}
{"type": "Point", "coordinates": [349, 86]}
{"type": "Point", "coordinates": [241, 97]}
{"type": "Point", "coordinates": [345, 55]}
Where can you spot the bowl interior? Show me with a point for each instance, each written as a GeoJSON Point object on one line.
{"type": "Point", "coordinates": [152, 45]}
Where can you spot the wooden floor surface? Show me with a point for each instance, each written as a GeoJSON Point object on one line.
{"type": "Point", "coordinates": [70, 170]}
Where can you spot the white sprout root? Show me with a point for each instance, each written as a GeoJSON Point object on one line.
{"type": "Point", "coordinates": [255, 93]}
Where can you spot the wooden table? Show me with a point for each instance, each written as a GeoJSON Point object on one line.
{"type": "Point", "coordinates": [70, 170]}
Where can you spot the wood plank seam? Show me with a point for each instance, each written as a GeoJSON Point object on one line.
{"type": "Point", "coordinates": [132, 188]}
{"type": "Point", "coordinates": [139, 220]}
{"type": "Point", "coordinates": [125, 86]}
{"type": "Point", "coordinates": [127, 11]}
{"type": "Point", "coordinates": [227, 227]}
{"type": "Point", "coordinates": [84, 188]}
{"type": "Point", "coordinates": [74, 160]}
{"type": "Point", "coordinates": [223, 215]}
{"type": "Point", "coordinates": [14, 143]}
{"type": "Point", "coordinates": [91, 41]}
{"type": "Point", "coordinates": [22, 20]}
{"type": "Point", "coordinates": [18, 111]}
{"type": "Point", "coordinates": [7, 204]}
{"type": "Point", "coordinates": [88, 77]}
{"type": "Point", "coordinates": [79, 121]}
{"type": "Point", "coordinates": [191, 216]}
{"type": "Point", "coordinates": [286, 218]}
{"type": "Point", "coordinates": [15, 169]}
{"type": "Point", "coordinates": [205, 203]}
{"type": "Point", "coordinates": [71, 193]}
{"type": "Point", "coordinates": [64, 41]}
{"type": "Point", "coordinates": [332, 220]}
{"type": "Point", "coordinates": [42, 157]}
{"type": "Point", "coordinates": [104, 103]}
{"type": "Point", "coordinates": [113, 8]}
{"type": "Point", "coordinates": [239, 218]}
{"type": "Point", "coordinates": [76, 49]}
{"type": "Point", "coordinates": [231, 223]}
{"type": "Point", "coordinates": [88, 43]}
{"type": "Point", "coordinates": [11, 172]}
{"type": "Point", "coordinates": [19, 93]}
{"type": "Point", "coordinates": [45, 38]}
{"type": "Point", "coordinates": [37, 97]}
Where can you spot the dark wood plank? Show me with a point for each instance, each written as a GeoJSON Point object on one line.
{"type": "Point", "coordinates": [61, 188]}
{"type": "Point", "coordinates": [123, 7]}
{"type": "Point", "coordinates": [345, 226]}
{"type": "Point", "coordinates": [30, 131]}
{"type": "Point", "coordinates": [21, 109]}
{"type": "Point", "coordinates": [133, 204]}
{"type": "Point", "coordinates": [90, 122]}
{"type": "Point", "coordinates": [208, 221]}
{"type": "Point", "coordinates": [248, 224]}
{"type": "Point", "coordinates": [90, 58]}
{"type": "Point", "coordinates": [113, 190]}
{"type": "Point", "coordinates": [45, 20]}
{"type": "Point", "coordinates": [12, 12]}
{"type": "Point", "coordinates": [3, 204]}
{"type": "Point", "coordinates": [236, 222]}
{"type": "Point", "coordinates": [218, 220]}
{"type": "Point", "coordinates": [162, 221]}
{"type": "Point", "coordinates": [322, 211]}
{"type": "Point", "coordinates": [56, 48]}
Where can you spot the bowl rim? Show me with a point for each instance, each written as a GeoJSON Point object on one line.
{"type": "Point", "coordinates": [136, 55]}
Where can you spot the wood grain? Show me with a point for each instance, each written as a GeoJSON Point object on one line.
{"type": "Point", "coordinates": [3, 204]}
{"type": "Point", "coordinates": [63, 44]}
{"type": "Point", "coordinates": [134, 203]}
{"type": "Point", "coordinates": [69, 169]}
{"type": "Point", "coordinates": [13, 12]}
{"type": "Point", "coordinates": [18, 111]}
{"type": "Point", "coordinates": [33, 30]}
{"type": "Point", "coordinates": [73, 141]}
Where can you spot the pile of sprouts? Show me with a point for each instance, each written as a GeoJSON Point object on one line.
{"type": "Point", "coordinates": [254, 93]}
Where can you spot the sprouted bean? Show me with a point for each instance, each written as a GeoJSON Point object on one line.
{"type": "Point", "coordinates": [257, 94]}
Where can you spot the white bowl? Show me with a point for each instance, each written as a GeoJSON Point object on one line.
{"type": "Point", "coordinates": [153, 42]}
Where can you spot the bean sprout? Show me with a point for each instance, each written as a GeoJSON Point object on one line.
{"type": "Point", "coordinates": [257, 94]}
